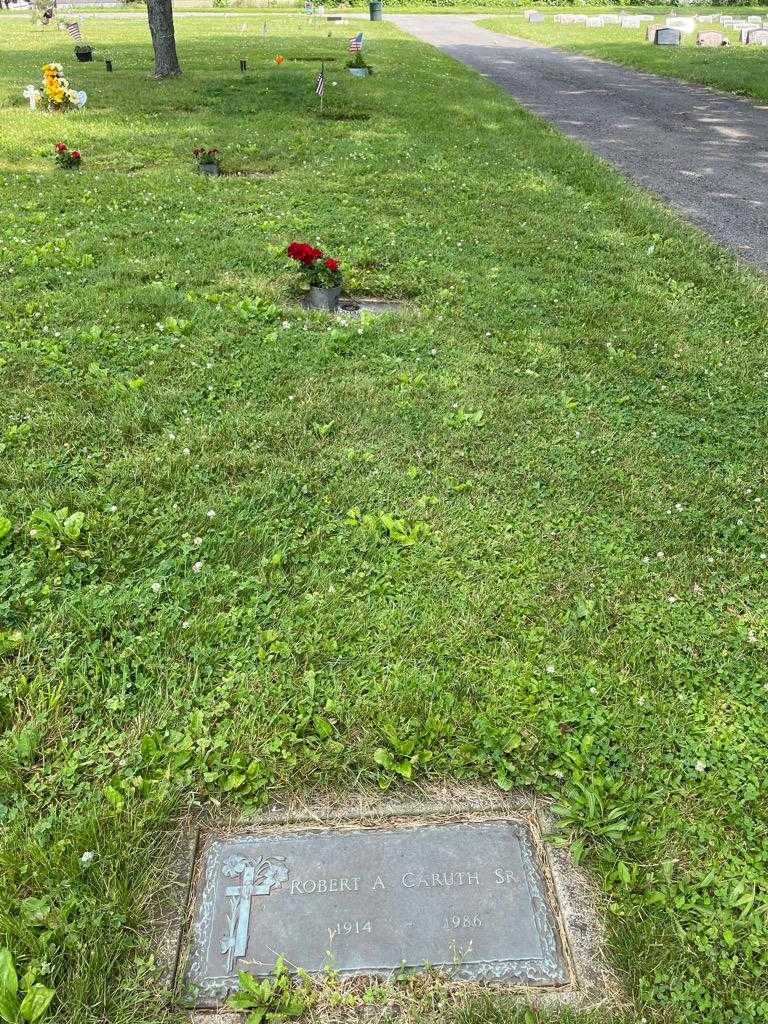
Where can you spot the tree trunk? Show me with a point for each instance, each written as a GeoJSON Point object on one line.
{"type": "Point", "coordinates": [160, 14]}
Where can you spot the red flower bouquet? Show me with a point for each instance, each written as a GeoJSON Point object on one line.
{"type": "Point", "coordinates": [66, 158]}
{"type": "Point", "coordinates": [320, 270]}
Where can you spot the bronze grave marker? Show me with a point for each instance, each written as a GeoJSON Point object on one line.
{"type": "Point", "coordinates": [470, 898]}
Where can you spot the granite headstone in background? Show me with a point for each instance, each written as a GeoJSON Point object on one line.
{"type": "Point", "coordinates": [667, 37]}
{"type": "Point", "coordinates": [711, 39]}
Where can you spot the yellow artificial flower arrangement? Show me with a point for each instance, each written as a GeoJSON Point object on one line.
{"type": "Point", "coordinates": [56, 88]}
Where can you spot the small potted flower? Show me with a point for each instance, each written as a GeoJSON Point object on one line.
{"type": "Point", "coordinates": [208, 161]}
{"type": "Point", "coordinates": [67, 159]}
{"type": "Point", "coordinates": [358, 67]}
{"type": "Point", "coordinates": [84, 52]}
{"type": "Point", "coordinates": [322, 273]}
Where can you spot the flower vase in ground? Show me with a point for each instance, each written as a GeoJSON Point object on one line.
{"type": "Point", "coordinates": [208, 161]}
{"type": "Point", "coordinates": [321, 297]}
{"type": "Point", "coordinates": [322, 273]}
{"type": "Point", "coordinates": [358, 68]}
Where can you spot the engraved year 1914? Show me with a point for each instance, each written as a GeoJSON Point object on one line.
{"type": "Point", "coordinates": [349, 928]}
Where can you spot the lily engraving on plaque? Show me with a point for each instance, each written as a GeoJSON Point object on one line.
{"type": "Point", "coordinates": [470, 898]}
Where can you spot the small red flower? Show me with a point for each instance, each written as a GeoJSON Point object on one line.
{"type": "Point", "coordinates": [75, 154]}
{"type": "Point", "coordinates": [332, 264]}
{"type": "Point", "coordinates": [60, 147]}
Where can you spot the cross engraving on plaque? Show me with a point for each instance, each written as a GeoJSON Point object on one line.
{"type": "Point", "coordinates": [258, 878]}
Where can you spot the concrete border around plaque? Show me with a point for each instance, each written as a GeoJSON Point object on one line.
{"type": "Point", "coordinates": [468, 887]}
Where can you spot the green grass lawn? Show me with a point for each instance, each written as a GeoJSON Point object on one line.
{"type": "Point", "coordinates": [736, 68]}
{"type": "Point", "coordinates": [519, 532]}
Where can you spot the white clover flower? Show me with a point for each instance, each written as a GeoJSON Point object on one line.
{"type": "Point", "coordinates": [550, 669]}
{"type": "Point", "coordinates": [700, 766]}
{"type": "Point", "coordinates": [197, 541]}
{"type": "Point", "coordinates": [210, 513]}
{"type": "Point", "coordinates": [87, 857]}
{"type": "Point", "coordinates": [197, 567]}
{"type": "Point", "coordinates": [156, 587]}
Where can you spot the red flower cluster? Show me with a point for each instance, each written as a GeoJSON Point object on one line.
{"type": "Point", "coordinates": [304, 253]}
{"type": "Point", "coordinates": [65, 158]}
{"type": "Point", "coordinates": [320, 270]}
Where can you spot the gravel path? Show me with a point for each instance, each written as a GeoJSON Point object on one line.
{"type": "Point", "coordinates": [704, 152]}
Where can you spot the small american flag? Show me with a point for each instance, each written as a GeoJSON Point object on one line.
{"type": "Point", "coordinates": [74, 30]}
{"type": "Point", "coordinates": [356, 43]}
{"type": "Point", "coordinates": [320, 85]}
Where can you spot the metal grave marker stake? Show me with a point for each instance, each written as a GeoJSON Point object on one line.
{"type": "Point", "coordinates": [471, 898]}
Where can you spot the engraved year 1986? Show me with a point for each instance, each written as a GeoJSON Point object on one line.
{"type": "Point", "coordinates": [349, 928]}
{"type": "Point", "coordinates": [465, 921]}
